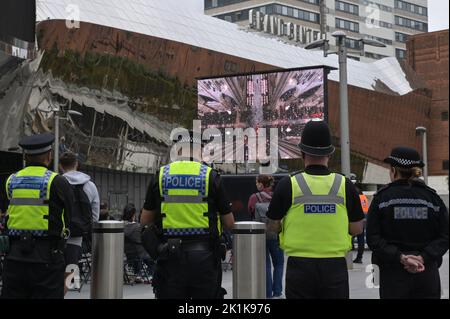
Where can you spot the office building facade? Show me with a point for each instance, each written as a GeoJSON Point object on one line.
{"type": "Point", "coordinates": [390, 22]}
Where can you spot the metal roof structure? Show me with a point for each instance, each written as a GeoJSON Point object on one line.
{"type": "Point", "coordinates": [179, 21]}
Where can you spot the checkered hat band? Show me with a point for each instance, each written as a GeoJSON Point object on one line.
{"type": "Point", "coordinates": [403, 161]}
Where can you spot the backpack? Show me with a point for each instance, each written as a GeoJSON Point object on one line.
{"type": "Point", "coordinates": [81, 223]}
{"type": "Point", "coordinates": [261, 208]}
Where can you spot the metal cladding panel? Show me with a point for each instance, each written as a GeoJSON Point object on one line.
{"type": "Point", "coordinates": [178, 21]}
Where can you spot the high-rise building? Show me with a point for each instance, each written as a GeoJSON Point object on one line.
{"type": "Point", "coordinates": [388, 21]}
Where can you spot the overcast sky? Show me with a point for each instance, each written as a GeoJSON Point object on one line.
{"type": "Point", "coordinates": [437, 15]}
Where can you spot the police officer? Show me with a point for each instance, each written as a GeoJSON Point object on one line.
{"type": "Point", "coordinates": [318, 211]}
{"type": "Point", "coordinates": [407, 230]}
{"type": "Point", "coordinates": [38, 213]}
{"type": "Point", "coordinates": [188, 204]}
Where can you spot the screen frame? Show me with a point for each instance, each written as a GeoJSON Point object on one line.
{"type": "Point", "coordinates": [326, 71]}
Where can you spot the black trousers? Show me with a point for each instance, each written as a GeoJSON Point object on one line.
{"type": "Point", "coordinates": [316, 278]}
{"type": "Point", "coordinates": [195, 274]}
{"type": "Point", "coordinates": [23, 280]}
{"type": "Point", "coordinates": [397, 283]}
{"type": "Point", "coordinates": [360, 240]}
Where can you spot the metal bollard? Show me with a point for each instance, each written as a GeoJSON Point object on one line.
{"type": "Point", "coordinates": [107, 260]}
{"type": "Point", "coordinates": [249, 265]}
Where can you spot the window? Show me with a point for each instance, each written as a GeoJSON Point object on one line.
{"type": "Point", "coordinates": [401, 37]}
{"type": "Point", "coordinates": [444, 116]}
{"type": "Point", "coordinates": [354, 58]}
{"type": "Point", "coordinates": [209, 4]}
{"type": "Point", "coordinates": [382, 40]}
{"type": "Point", "coordinates": [445, 165]}
{"type": "Point", "coordinates": [290, 11]}
{"type": "Point", "coordinates": [385, 25]}
{"type": "Point", "coordinates": [412, 24]}
{"type": "Point", "coordinates": [240, 15]}
{"type": "Point", "coordinates": [243, 15]}
{"type": "Point", "coordinates": [278, 9]}
{"type": "Point", "coordinates": [352, 44]}
{"type": "Point", "coordinates": [400, 54]}
{"type": "Point", "coordinates": [296, 13]}
{"type": "Point", "coordinates": [347, 7]}
{"type": "Point", "coordinates": [410, 7]}
{"type": "Point", "coordinates": [347, 25]}
{"type": "Point", "coordinates": [375, 56]}
{"type": "Point", "coordinates": [379, 6]}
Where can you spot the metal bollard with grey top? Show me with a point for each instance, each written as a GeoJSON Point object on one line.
{"type": "Point", "coordinates": [249, 265]}
{"type": "Point", "coordinates": [107, 260]}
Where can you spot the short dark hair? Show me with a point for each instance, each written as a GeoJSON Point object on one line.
{"type": "Point", "coordinates": [128, 212]}
{"type": "Point", "coordinates": [68, 160]}
{"type": "Point", "coordinates": [36, 158]}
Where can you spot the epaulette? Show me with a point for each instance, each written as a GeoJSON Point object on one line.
{"type": "Point", "coordinates": [382, 189]}
{"type": "Point", "coordinates": [421, 183]}
{"type": "Point", "coordinates": [296, 172]}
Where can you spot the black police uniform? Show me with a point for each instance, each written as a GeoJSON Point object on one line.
{"type": "Point", "coordinates": [34, 266]}
{"type": "Point", "coordinates": [197, 273]}
{"type": "Point", "coordinates": [315, 278]}
{"type": "Point", "coordinates": [304, 269]}
{"type": "Point", "coordinates": [407, 217]}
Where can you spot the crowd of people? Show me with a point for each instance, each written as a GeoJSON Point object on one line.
{"type": "Point", "coordinates": [310, 218]}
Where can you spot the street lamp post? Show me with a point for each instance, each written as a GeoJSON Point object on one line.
{"type": "Point", "coordinates": [55, 108]}
{"type": "Point", "coordinates": [420, 130]}
{"type": "Point", "coordinates": [57, 118]}
{"type": "Point", "coordinates": [343, 99]}
{"type": "Point", "coordinates": [56, 152]}
{"type": "Point", "coordinates": [343, 88]}
{"type": "Point", "coordinates": [343, 102]}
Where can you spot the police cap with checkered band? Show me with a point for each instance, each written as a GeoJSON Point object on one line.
{"type": "Point", "coordinates": [405, 157]}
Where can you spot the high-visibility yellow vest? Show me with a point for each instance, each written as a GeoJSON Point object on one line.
{"type": "Point", "coordinates": [28, 192]}
{"type": "Point", "coordinates": [316, 225]}
{"type": "Point", "coordinates": [184, 189]}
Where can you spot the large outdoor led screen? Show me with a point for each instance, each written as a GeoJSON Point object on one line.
{"type": "Point", "coordinates": [285, 100]}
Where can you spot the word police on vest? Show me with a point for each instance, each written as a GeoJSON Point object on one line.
{"type": "Point", "coordinates": [184, 182]}
{"type": "Point", "coordinates": [320, 208]}
{"type": "Point", "coordinates": [410, 213]}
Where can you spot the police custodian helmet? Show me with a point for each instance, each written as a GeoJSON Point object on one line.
{"type": "Point", "coordinates": [37, 144]}
{"type": "Point", "coordinates": [404, 157]}
{"type": "Point", "coordinates": [316, 139]}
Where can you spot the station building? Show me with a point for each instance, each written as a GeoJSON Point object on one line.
{"type": "Point", "coordinates": [130, 68]}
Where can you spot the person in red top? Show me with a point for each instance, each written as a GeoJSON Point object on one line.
{"type": "Point", "coordinates": [365, 208]}
{"type": "Point", "coordinates": [258, 205]}
{"type": "Point", "coordinates": [264, 194]}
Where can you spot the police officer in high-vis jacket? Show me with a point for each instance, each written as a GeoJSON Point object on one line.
{"type": "Point", "coordinates": [38, 213]}
{"type": "Point", "coordinates": [187, 203]}
{"type": "Point", "coordinates": [407, 230]}
{"type": "Point", "coordinates": [316, 211]}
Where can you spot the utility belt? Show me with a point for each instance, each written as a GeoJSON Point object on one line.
{"type": "Point", "coordinates": [173, 247]}
{"type": "Point", "coordinates": [27, 242]}
{"type": "Point", "coordinates": [196, 245]}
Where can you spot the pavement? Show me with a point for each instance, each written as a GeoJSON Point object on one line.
{"type": "Point", "coordinates": [358, 276]}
